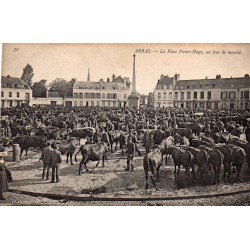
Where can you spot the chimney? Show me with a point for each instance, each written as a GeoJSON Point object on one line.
{"type": "Point", "coordinates": [113, 77]}
{"type": "Point", "coordinates": [177, 77]}
{"type": "Point", "coordinates": [108, 79]}
{"type": "Point", "coordinates": [8, 76]}
{"type": "Point", "coordinates": [47, 92]}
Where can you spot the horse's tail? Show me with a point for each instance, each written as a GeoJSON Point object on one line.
{"type": "Point", "coordinates": [77, 154]}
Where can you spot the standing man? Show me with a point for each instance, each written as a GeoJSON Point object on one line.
{"type": "Point", "coordinates": [46, 154]}
{"type": "Point", "coordinates": [4, 187]}
{"type": "Point", "coordinates": [247, 132]}
{"type": "Point", "coordinates": [147, 140]}
{"type": "Point", "coordinates": [55, 161]}
{"type": "Point", "coordinates": [130, 155]}
{"type": "Point", "coordinates": [135, 141]}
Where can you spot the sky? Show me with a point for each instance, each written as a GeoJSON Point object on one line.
{"type": "Point", "coordinates": [67, 61]}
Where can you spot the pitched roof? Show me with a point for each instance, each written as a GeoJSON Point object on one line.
{"type": "Point", "coordinates": [13, 82]}
{"type": "Point", "coordinates": [87, 85]}
{"type": "Point", "coordinates": [221, 83]}
{"type": "Point", "coordinates": [165, 80]}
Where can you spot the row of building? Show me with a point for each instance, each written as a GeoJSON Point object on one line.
{"type": "Point", "coordinates": [217, 93]}
{"type": "Point", "coordinates": [110, 93]}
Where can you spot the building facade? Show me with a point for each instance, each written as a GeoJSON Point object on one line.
{"type": "Point", "coordinates": [105, 94]}
{"type": "Point", "coordinates": [15, 92]}
{"type": "Point", "coordinates": [217, 93]}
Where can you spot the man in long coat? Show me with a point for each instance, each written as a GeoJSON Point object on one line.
{"type": "Point", "coordinates": [148, 140]}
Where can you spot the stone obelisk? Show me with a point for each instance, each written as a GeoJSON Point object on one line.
{"type": "Point", "coordinates": [133, 98]}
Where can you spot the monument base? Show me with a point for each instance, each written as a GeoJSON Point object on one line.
{"type": "Point", "coordinates": [133, 101]}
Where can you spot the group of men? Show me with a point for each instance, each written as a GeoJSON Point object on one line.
{"type": "Point", "coordinates": [51, 158]}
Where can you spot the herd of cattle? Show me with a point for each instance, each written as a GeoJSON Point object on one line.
{"type": "Point", "coordinates": [210, 144]}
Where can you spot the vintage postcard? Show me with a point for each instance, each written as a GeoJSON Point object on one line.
{"type": "Point", "coordinates": [125, 124]}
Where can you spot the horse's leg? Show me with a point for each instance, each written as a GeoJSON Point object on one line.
{"type": "Point", "coordinates": [26, 151]}
{"type": "Point", "coordinates": [67, 160]}
{"type": "Point", "coordinates": [80, 166]}
{"type": "Point", "coordinates": [71, 155]}
{"type": "Point", "coordinates": [103, 161]}
{"type": "Point", "coordinates": [146, 175]}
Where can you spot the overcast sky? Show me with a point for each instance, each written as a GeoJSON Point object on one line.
{"type": "Point", "coordinates": [67, 61]}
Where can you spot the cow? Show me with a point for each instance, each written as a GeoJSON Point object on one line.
{"type": "Point", "coordinates": [183, 132]}
{"type": "Point", "coordinates": [239, 159]}
{"type": "Point", "coordinates": [228, 159]}
{"type": "Point", "coordinates": [60, 134]}
{"type": "Point", "coordinates": [152, 162]}
{"type": "Point", "coordinates": [114, 137]}
{"type": "Point", "coordinates": [216, 159]}
{"type": "Point", "coordinates": [92, 152]}
{"type": "Point", "coordinates": [201, 159]}
{"type": "Point", "coordinates": [68, 147]}
{"type": "Point", "coordinates": [123, 140]}
{"type": "Point", "coordinates": [27, 141]}
{"type": "Point", "coordinates": [83, 133]}
{"type": "Point", "coordinates": [182, 157]}
{"type": "Point", "coordinates": [243, 144]}
{"type": "Point", "coordinates": [221, 137]}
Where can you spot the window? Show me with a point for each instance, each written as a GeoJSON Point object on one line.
{"type": "Point", "coordinates": [2, 94]}
{"type": "Point", "coordinates": [164, 95]}
{"type": "Point", "coordinates": [213, 86]}
{"type": "Point", "coordinates": [81, 96]}
{"type": "Point", "coordinates": [182, 95]}
{"type": "Point", "coordinates": [159, 95]}
{"type": "Point", "coordinates": [188, 95]}
{"type": "Point", "coordinates": [246, 94]}
{"type": "Point", "coordinates": [103, 95]}
{"type": "Point", "coordinates": [200, 86]}
{"type": "Point", "coordinates": [17, 94]}
{"type": "Point", "coordinates": [27, 96]}
{"type": "Point", "coordinates": [170, 86]}
{"type": "Point", "coordinates": [195, 95]}
{"type": "Point", "coordinates": [241, 94]}
{"type": "Point", "coordinates": [75, 103]}
{"type": "Point", "coordinates": [125, 96]}
{"type": "Point", "coordinates": [97, 103]}
{"type": "Point", "coordinates": [209, 95]}
{"type": "Point", "coordinates": [223, 95]}
{"type": "Point", "coordinates": [207, 86]}
{"type": "Point", "coordinates": [176, 95]}
{"type": "Point", "coordinates": [170, 95]}
{"type": "Point", "coordinates": [81, 103]}
{"type": "Point", "coordinates": [92, 103]}
{"type": "Point", "coordinates": [202, 95]}
{"type": "Point", "coordinates": [232, 85]}
{"type": "Point", "coordinates": [10, 94]}
{"type": "Point", "coordinates": [232, 95]}
{"type": "Point", "coordinates": [75, 95]}
{"type": "Point", "coordinates": [187, 86]}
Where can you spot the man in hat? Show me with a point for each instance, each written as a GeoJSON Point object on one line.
{"type": "Point", "coordinates": [247, 132]}
{"type": "Point", "coordinates": [158, 136]}
{"type": "Point", "coordinates": [46, 152]}
{"type": "Point", "coordinates": [130, 155]}
{"type": "Point", "coordinates": [4, 187]}
{"type": "Point", "coordinates": [55, 161]}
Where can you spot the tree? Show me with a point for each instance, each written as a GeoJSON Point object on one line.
{"type": "Point", "coordinates": [27, 74]}
{"type": "Point", "coordinates": [62, 86]}
{"type": "Point", "coordinates": [39, 88]}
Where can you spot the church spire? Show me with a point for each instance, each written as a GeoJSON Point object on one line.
{"type": "Point", "coordinates": [88, 79]}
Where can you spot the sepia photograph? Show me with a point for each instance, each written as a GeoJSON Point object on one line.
{"type": "Point", "coordinates": [97, 124]}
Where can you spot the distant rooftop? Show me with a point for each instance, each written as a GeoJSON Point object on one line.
{"type": "Point", "coordinates": [13, 82]}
